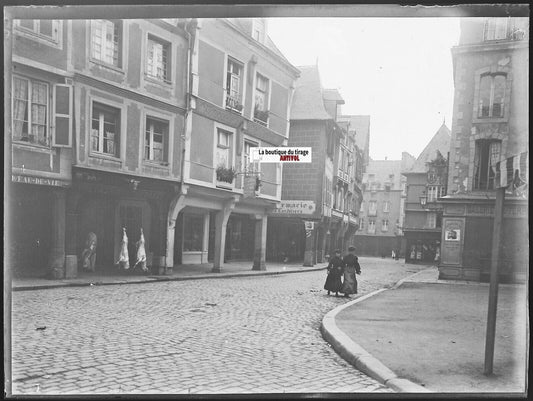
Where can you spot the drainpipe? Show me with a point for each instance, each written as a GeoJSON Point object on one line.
{"type": "Point", "coordinates": [191, 26]}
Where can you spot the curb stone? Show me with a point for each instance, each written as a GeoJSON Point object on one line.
{"type": "Point", "coordinates": [156, 279]}
{"type": "Point", "coordinates": [357, 356]}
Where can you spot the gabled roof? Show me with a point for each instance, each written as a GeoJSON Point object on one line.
{"type": "Point", "coordinates": [361, 125]}
{"type": "Point", "coordinates": [308, 100]}
{"type": "Point", "coordinates": [440, 142]}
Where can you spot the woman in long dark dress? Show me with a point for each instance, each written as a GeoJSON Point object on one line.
{"type": "Point", "coordinates": [335, 269]}
{"type": "Point", "coordinates": [351, 267]}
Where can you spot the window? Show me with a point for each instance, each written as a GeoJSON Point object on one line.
{"type": "Point", "coordinates": [193, 229]}
{"type": "Point", "coordinates": [247, 156]}
{"type": "Point", "coordinates": [486, 156]}
{"type": "Point", "coordinates": [30, 111]}
{"type": "Point", "coordinates": [434, 192]}
{"type": "Point", "coordinates": [44, 28]}
{"type": "Point", "coordinates": [156, 138]}
{"type": "Point", "coordinates": [371, 226]}
{"type": "Point", "coordinates": [105, 41]}
{"type": "Point", "coordinates": [362, 210]}
{"type": "Point", "coordinates": [492, 96]}
{"type": "Point", "coordinates": [431, 220]}
{"type": "Point", "coordinates": [223, 156]}
{"type": "Point", "coordinates": [233, 85]}
{"type": "Point", "coordinates": [384, 225]}
{"type": "Point", "coordinates": [495, 28]}
{"type": "Point", "coordinates": [105, 132]}
{"type": "Point", "coordinates": [386, 206]}
{"type": "Point", "coordinates": [158, 63]}
{"type": "Point", "coordinates": [372, 208]}
{"type": "Point", "coordinates": [339, 202]}
{"type": "Point", "coordinates": [261, 99]}
{"type": "Point", "coordinates": [361, 224]}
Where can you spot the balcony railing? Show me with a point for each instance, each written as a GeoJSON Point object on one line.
{"type": "Point", "coordinates": [261, 116]}
{"type": "Point", "coordinates": [234, 103]}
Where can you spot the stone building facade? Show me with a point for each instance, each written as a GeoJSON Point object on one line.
{"type": "Point", "coordinates": [326, 191]}
{"type": "Point", "coordinates": [490, 123]}
{"type": "Point", "coordinates": [381, 212]}
{"type": "Point", "coordinates": [123, 124]}
{"type": "Point", "coordinates": [240, 95]}
{"type": "Point", "coordinates": [426, 181]}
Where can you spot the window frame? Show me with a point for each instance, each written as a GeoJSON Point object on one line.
{"type": "Point", "coordinates": [193, 223]}
{"type": "Point", "coordinates": [266, 102]}
{"type": "Point", "coordinates": [230, 100]}
{"type": "Point", "coordinates": [56, 40]}
{"type": "Point", "coordinates": [119, 26]}
{"type": "Point", "coordinates": [431, 220]}
{"type": "Point", "coordinates": [165, 140]}
{"type": "Point", "coordinates": [371, 229]}
{"type": "Point", "coordinates": [118, 133]}
{"type": "Point", "coordinates": [165, 45]}
{"type": "Point", "coordinates": [246, 155]}
{"type": "Point", "coordinates": [229, 147]}
{"type": "Point", "coordinates": [497, 21]}
{"type": "Point", "coordinates": [29, 103]}
{"type": "Point", "coordinates": [384, 225]}
{"type": "Point", "coordinates": [479, 163]}
{"type": "Point", "coordinates": [372, 210]}
{"type": "Point", "coordinates": [492, 77]}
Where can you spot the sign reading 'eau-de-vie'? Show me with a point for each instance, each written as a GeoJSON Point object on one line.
{"type": "Point", "coordinates": [294, 208]}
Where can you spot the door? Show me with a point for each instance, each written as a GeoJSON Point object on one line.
{"type": "Point", "coordinates": [132, 215]}
{"type": "Point", "coordinates": [131, 219]}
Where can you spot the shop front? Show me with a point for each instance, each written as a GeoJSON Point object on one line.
{"type": "Point", "coordinates": [110, 205]}
{"type": "Point", "coordinates": [285, 240]}
{"type": "Point", "coordinates": [422, 246]}
{"type": "Point", "coordinates": [467, 238]}
{"type": "Point", "coordinates": [29, 228]}
{"type": "Point", "coordinates": [293, 232]}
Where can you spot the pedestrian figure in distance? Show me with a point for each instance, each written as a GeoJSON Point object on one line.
{"type": "Point", "coordinates": [351, 267]}
{"type": "Point", "coordinates": [335, 268]}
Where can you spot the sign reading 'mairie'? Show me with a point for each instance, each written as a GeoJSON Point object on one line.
{"type": "Point", "coordinates": [295, 207]}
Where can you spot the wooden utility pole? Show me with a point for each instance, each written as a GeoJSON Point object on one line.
{"type": "Point", "coordinates": [494, 277]}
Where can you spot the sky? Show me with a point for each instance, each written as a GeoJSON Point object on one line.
{"type": "Point", "coordinates": [397, 70]}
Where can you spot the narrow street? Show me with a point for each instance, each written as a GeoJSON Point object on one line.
{"type": "Point", "coordinates": [235, 335]}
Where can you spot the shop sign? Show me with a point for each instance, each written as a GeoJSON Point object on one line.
{"type": "Point", "coordinates": [26, 179]}
{"type": "Point", "coordinates": [295, 207]}
{"type": "Point", "coordinates": [309, 225]}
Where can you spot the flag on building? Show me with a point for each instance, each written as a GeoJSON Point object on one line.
{"type": "Point", "coordinates": [512, 171]}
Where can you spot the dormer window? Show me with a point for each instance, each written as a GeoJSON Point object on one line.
{"type": "Point", "coordinates": [258, 30]}
{"type": "Point", "coordinates": [495, 29]}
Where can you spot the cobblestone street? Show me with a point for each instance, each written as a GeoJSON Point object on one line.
{"type": "Point", "coordinates": [236, 335]}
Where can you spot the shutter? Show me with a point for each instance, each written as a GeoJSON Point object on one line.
{"type": "Point", "coordinates": [62, 101]}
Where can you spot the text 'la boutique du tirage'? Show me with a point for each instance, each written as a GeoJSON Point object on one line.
{"type": "Point", "coordinates": [283, 154]}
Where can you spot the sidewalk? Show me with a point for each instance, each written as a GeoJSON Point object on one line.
{"type": "Point", "coordinates": [182, 272]}
{"type": "Point", "coordinates": [432, 333]}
